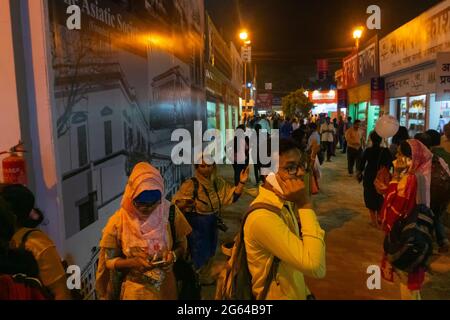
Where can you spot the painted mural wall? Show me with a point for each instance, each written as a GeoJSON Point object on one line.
{"type": "Point", "coordinates": [122, 84]}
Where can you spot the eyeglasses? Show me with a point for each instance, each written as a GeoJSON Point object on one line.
{"type": "Point", "coordinates": [293, 170]}
{"type": "Point", "coordinates": [146, 206]}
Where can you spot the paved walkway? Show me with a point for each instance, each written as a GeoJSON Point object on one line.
{"type": "Point", "coordinates": [352, 244]}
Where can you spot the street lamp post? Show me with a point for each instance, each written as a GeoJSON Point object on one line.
{"type": "Point", "coordinates": [357, 34]}
{"type": "Point", "coordinates": [245, 39]}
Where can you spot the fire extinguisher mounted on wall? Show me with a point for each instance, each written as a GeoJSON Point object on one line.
{"type": "Point", "coordinates": [14, 166]}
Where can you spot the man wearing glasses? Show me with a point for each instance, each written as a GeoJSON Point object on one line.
{"type": "Point", "coordinates": [291, 233]}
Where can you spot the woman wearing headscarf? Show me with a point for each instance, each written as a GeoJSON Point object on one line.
{"type": "Point", "coordinates": [51, 271]}
{"type": "Point", "coordinates": [409, 187]}
{"type": "Point", "coordinates": [138, 249]}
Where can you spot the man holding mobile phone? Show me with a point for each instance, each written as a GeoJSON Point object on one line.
{"type": "Point", "coordinates": [292, 234]}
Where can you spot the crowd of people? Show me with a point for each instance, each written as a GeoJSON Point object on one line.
{"type": "Point", "coordinates": [148, 237]}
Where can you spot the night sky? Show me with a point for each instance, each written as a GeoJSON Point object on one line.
{"type": "Point", "coordinates": [291, 34]}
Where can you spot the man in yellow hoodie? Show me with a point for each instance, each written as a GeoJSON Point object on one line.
{"type": "Point", "coordinates": [294, 236]}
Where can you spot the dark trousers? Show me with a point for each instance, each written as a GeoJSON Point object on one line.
{"type": "Point", "coordinates": [238, 168]}
{"type": "Point", "coordinates": [344, 149]}
{"type": "Point", "coordinates": [441, 234]}
{"type": "Point", "coordinates": [353, 157]}
{"type": "Point", "coordinates": [329, 147]}
{"type": "Point", "coordinates": [341, 141]}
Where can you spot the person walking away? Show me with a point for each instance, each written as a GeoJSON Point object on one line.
{"type": "Point", "coordinates": [51, 271]}
{"type": "Point", "coordinates": [202, 199]}
{"type": "Point", "coordinates": [286, 129]}
{"type": "Point", "coordinates": [335, 137]}
{"type": "Point", "coordinates": [347, 125]}
{"type": "Point", "coordinates": [341, 132]}
{"type": "Point", "coordinates": [355, 144]}
{"type": "Point", "coordinates": [327, 131]}
{"type": "Point", "coordinates": [373, 159]}
{"type": "Point", "coordinates": [264, 123]}
{"type": "Point", "coordinates": [257, 161]}
{"type": "Point", "coordinates": [291, 237]}
{"type": "Point", "coordinates": [138, 249]}
{"type": "Point", "coordinates": [241, 159]}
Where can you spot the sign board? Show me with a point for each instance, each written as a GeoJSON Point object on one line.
{"type": "Point", "coordinates": [368, 62]}
{"type": "Point", "coordinates": [418, 41]}
{"type": "Point", "coordinates": [443, 76]}
{"type": "Point", "coordinates": [377, 91]}
{"type": "Point", "coordinates": [319, 97]}
{"type": "Point", "coordinates": [322, 69]}
{"type": "Point", "coordinates": [246, 54]}
{"type": "Point", "coordinates": [350, 68]}
{"type": "Point", "coordinates": [268, 86]}
{"type": "Point", "coordinates": [264, 101]}
{"type": "Point", "coordinates": [342, 98]}
{"type": "Point", "coordinates": [413, 83]}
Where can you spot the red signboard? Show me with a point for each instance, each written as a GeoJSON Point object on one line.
{"type": "Point", "coordinates": [377, 91]}
{"type": "Point", "coordinates": [320, 97]}
{"type": "Point", "coordinates": [264, 101]}
{"type": "Point", "coordinates": [322, 69]}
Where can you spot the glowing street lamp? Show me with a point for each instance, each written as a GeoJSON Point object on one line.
{"type": "Point", "coordinates": [357, 34]}
{"type": "Point", "coordinates": [243, 35]}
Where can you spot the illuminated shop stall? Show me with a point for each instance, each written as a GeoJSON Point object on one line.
{"type": "Point", "coordinates": [418, 77]}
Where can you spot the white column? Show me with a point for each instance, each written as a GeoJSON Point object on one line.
{"type": "Point", "coordinates": [37, 73]}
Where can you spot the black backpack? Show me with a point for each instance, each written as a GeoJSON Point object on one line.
{"type": "Point", "coordinates": [187, 279]}
{"type": "Point", "coordinates": [409, 245]}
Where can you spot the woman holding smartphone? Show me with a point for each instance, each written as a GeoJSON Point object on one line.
{"type": "Point", "coordinates": [137, 248]}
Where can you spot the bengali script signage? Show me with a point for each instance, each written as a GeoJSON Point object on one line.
{"type": "Point", "coordinates": [418, 41]}
{"type": "Point", "coordinates": [350, 67]}
{"type": "Point", "coordinates": [413, 83]}
{"type": "Point", "coordinates": [368, 62]}
{"type": "Point", "coordinates": [443, 76]}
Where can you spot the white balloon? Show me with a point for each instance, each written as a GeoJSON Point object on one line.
{"type": "Point", "coordinates": [387, 126]}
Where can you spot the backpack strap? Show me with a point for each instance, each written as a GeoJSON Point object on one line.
{"type": "Point", "coordinates": [172, 222]}
{"type": "Point", "coordinates": [196, 186]}
{"type": "Point", "coordinates": [26, 236]}
{"type": "Point", "coordinates": [276, 261]}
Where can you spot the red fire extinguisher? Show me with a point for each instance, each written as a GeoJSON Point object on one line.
{"type": "Point", "coordinates": [14, 166]}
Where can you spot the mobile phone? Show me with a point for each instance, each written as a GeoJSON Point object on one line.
{"type": "Point", "coordinates": [272, 179]}
{"type": "Point", "coordinates": [157, 263]}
